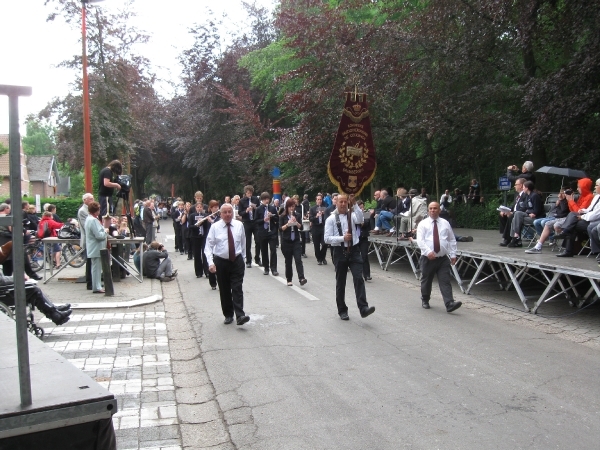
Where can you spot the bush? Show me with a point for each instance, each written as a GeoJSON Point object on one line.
{"type": "Point", "coordinates": [476, 217]}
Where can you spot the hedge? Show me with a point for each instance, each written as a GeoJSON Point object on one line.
{"type": "Point", "coordinates": [66, 208]}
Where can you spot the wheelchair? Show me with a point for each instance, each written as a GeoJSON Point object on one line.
{"type": "Point", "coordinates": [7, 306]}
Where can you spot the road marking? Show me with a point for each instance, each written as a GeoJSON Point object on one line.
{"type": "Point", "coordinates": [293, 288]}
{"type": "Point", "coordinates": [124, 304]}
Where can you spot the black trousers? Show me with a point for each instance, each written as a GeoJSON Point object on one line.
{"type": "Point", "coordinates": [579, 227]}
{"type": "Point", "coordinates": [268, 250]}
{"type": "Point", "coordinates": [303, 240]}
{"type": "Point", "coordinates": [178, 239]}
{"type": "Point", "coordinates": [88, 273]}
{"type": "Point", "coordinates": [198, 251]}
{"type": "Point", "coordinates": [292, 250]}
{"type": "Point", "coordinates": [318, 237]}
{"type": "Point", "coordinates": [230, 278]}
{"type": "Point", "coordinates": [343, 260]}
{"type": "Point", "coordinates": [251, 228]}
{"type": "Point", "coordinates": [429, 268]}
{"type": "Point", "coordinates": [505, 225]}
{"type": "Point", "coordinates": [363, 244]}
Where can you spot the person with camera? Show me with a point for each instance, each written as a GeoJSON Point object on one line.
{"type": "Point", "coordinates": [107, 185]}
{"type": "Point", "coordinates": [154, 267]}
{"type": "Point", "coordinates": [526, 172]}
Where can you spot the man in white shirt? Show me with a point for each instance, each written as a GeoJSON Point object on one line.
{"type": "Point", "coordinates": [436, 241]}
{"type": "Point", "coordinates": [445, 200]}
{"type": "Point", "coordinates": [342, 233]}
{"type": "Point", "coordinates": [224, 250]}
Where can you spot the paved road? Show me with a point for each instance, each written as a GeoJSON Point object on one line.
{"type": "Point", "coordinates": [297, 377]}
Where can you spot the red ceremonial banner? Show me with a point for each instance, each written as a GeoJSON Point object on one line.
{"type": "Point", "coordinates": [352, 162]}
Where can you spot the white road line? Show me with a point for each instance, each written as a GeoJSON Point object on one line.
{"type": "Point", "coordinates": [124, 304]}
{"type": "Point", "coordinates": [293, 288]}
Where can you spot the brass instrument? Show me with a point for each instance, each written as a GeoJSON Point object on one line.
{"type": "Point", "coordinates": [201, 221]}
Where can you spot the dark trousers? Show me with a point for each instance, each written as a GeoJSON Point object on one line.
{"type": "Point", "coordinates": [318, 237]}
{"type": "Point", "coordinates": [292, 250]}
{"type": "Point", "coordinates": [342, 260]}
{"type": "Point", "coordinates": [105, 202]}
{"type": "Point", "coordinates": [178, 239]}
{"type": "Point", "coordinates": [198, 251]}
{"type": "Point", "coordinates": [303, 240]}
{"type": "Point", "coordinates": [580, 227]}
{"type": "Point", "coordinates": [429, 268]}
{"type": "Point", "coordinates": [148, 233]}
{"type": "Point", "coordinates": [88, 273]}
{"type": "Point", "coordinates": [268, 250]}
{"type": "Point", "coordinates": [230, 278]}
{"type": "Point", "coordinates": [363, 244]}
{"type": "Point", "coordinates": [251, 228]}
{"type": "Point", "coordinates": [505, 225]}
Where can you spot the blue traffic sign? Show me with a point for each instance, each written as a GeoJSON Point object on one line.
{"type": "Point", "coordinates": [504, 184]}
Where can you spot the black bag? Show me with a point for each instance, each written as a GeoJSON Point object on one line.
{"type": "Point", "coordinates": [69, 231]}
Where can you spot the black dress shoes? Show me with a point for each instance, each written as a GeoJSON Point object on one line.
{"type": "Point", "coordinates": [324, 262]}
{"type": "Point", "coordinates": [228, 320]}
{"type": "Point", "coordinates": [303, 281]}
{"type": "Point", "coordinates": [504, 243]}
{"type": "Point", "coordinates": [319, 263]}
{"type": "Point", "coordinates": [266, 272]}
{"type": "Point", "coordinates": [367, 312]}
{"type": "Point", "coordinates": [453, 306]}
{"type": "Point", "coordinates": [565, 255]}
{"type": "Point", "coordinates": [425, 305]}
{"type": "Point", "coordinates": [249, 265]}
{"type": "Point", "coordinates": [65, 307]}
{"type": "Point", "coordinates": [515, 242]}
{"type": "Point", "coordinates": [35, 277]}
{"type": "Point", "coordinates": [242, 320]}
{"type": "Point", "coordinates": [344, 316]}
{"type": "Point", "coordinates": [275, 273]}
{"type": "Point", "coordinates": [258, 262]}
{"type": "Point", "coordinates": [368, 278]}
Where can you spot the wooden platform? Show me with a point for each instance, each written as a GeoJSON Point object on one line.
{"type": "Point", "coordinates": [483, 259]}
{"type": "Point", "coordinates": [63, 396]}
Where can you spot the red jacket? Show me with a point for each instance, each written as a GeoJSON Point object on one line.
{"type": "Point", "coordinates": [585, 199]}
{"type": "Point", "coordinates": [53, 225]}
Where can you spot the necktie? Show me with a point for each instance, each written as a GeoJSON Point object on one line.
{"type": "Point", "coordinates": [231, 243]}
{"type": "Point", "coordinates": [293, 235]}
{"type": "Point", "coordinates": [266, 216]}
{"type": "Point", "coordinates": [436, 238]}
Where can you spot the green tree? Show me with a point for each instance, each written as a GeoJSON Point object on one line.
{"type": "Point", "coordinates": [39, 138]}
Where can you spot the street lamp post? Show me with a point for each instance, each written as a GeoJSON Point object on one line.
{"type": "Point", "coordinates": [87, 142]}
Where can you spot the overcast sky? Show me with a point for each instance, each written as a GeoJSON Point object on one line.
{"type": "Point", "coordinates": [30, 47]}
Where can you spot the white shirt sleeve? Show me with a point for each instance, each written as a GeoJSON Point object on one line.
{"type": "Point", "coordinates": [209, 247]}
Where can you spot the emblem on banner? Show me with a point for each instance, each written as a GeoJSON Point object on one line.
{"type": "Point", "coordinates": [352, 162]}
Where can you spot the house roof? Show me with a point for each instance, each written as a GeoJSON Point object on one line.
{"type": "Point", "coordinates": [40, 167]}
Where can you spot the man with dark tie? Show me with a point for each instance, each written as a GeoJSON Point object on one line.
{"type": "Point", "coordinates": [437, 242]}
{"type": "Point", "coordinates": [507, 217]}
{"type": "Point", "coordinates": [584, 220]}
{"type": "Point", "coordinates": [317, 227]}
{"type": "Point", "coordinates": [268, 226]}
{"type": "Point", "coordinates": [342, 233]}
{"type": "Point", "coordinates": [247, 210]}
{"type": "Point", "coordinates": [225, 245]}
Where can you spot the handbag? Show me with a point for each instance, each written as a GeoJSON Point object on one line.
{"type": "Point", "coordinates": [5, 251]}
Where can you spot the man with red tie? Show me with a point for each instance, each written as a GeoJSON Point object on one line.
{"type": "Point", "coordinates": [437, 243]}
{"type": "Point", "coordinates": [224, 250]}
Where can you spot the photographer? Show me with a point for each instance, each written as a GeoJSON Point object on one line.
{"type": "Point", "coordinates": [154, 267]}
{"type": "Point", "coordinates": [107, 185]}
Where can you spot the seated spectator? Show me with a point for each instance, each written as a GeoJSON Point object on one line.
{"type": "Point", "coordinates": [154, 267]}
{"type": "Point", "coordinates": [474, 192]}
{"type": "Point", "coordinates": [383, 224]}
{"type": "Point", "coordinates": [418, 210]}
{"type": "Point", "coordinates": [526, 172]}
{"type": "Point", "coordinates": [506, 217]}
{"type": "Point", "coordinates": [459, 198]}
{"type": "Point", "coordinates": [53, 225]}
{"type": "Point", "coordinates": [584, 188]}
{"type": "Point", "coordinates": [545, 226]}
{"type": "Point", "coordinates": [584, 220]}
{"type": "Point", "coordinates": [445, 200]}
{"type": "Point", "coordinates": [35, 297]}
{"type": "Point", "coordinates": [534, 210]}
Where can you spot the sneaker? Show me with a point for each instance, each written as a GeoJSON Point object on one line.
{"type": "Point", "coordinates": [393, 230]}
{"type": "Point", "coordinates": [534, 251]}
{"type": "Point", "coordinates": [174, 273]}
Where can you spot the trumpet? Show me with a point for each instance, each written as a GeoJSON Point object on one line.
{"type": "Point", "coordinates": [201, 221]}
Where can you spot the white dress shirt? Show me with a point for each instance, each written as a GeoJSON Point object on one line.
{"type": "Point", "coordinates": [425, 237]}
{"type": "Point", "coordinates": [217, 240]}
{"type": "Point", "coordinates": [332, 235]}
{"type": "Point", "coordinates": [592, 213]}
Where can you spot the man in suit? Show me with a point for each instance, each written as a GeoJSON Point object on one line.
{"type": "Point", "coordinates": [247, 210]}
{"type": "Point", "coordinates": [267, 221]}
{"type": "Point", "coordinates": [82, 215]}
{"type": "Point", "coordinates": [317, 222]}
{"type": "Point", "coordinates": [506, 218]}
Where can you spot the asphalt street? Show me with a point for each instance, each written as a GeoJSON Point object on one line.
{"type": "Point", "coordinates": [297, 377]}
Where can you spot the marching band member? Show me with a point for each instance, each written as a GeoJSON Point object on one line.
{"type": "Point", "coordinates": [247, 210]}
{"type": "Point", "coordinates": [291, 227]}
{"type": "Point", "coordinates": [268, 225]}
